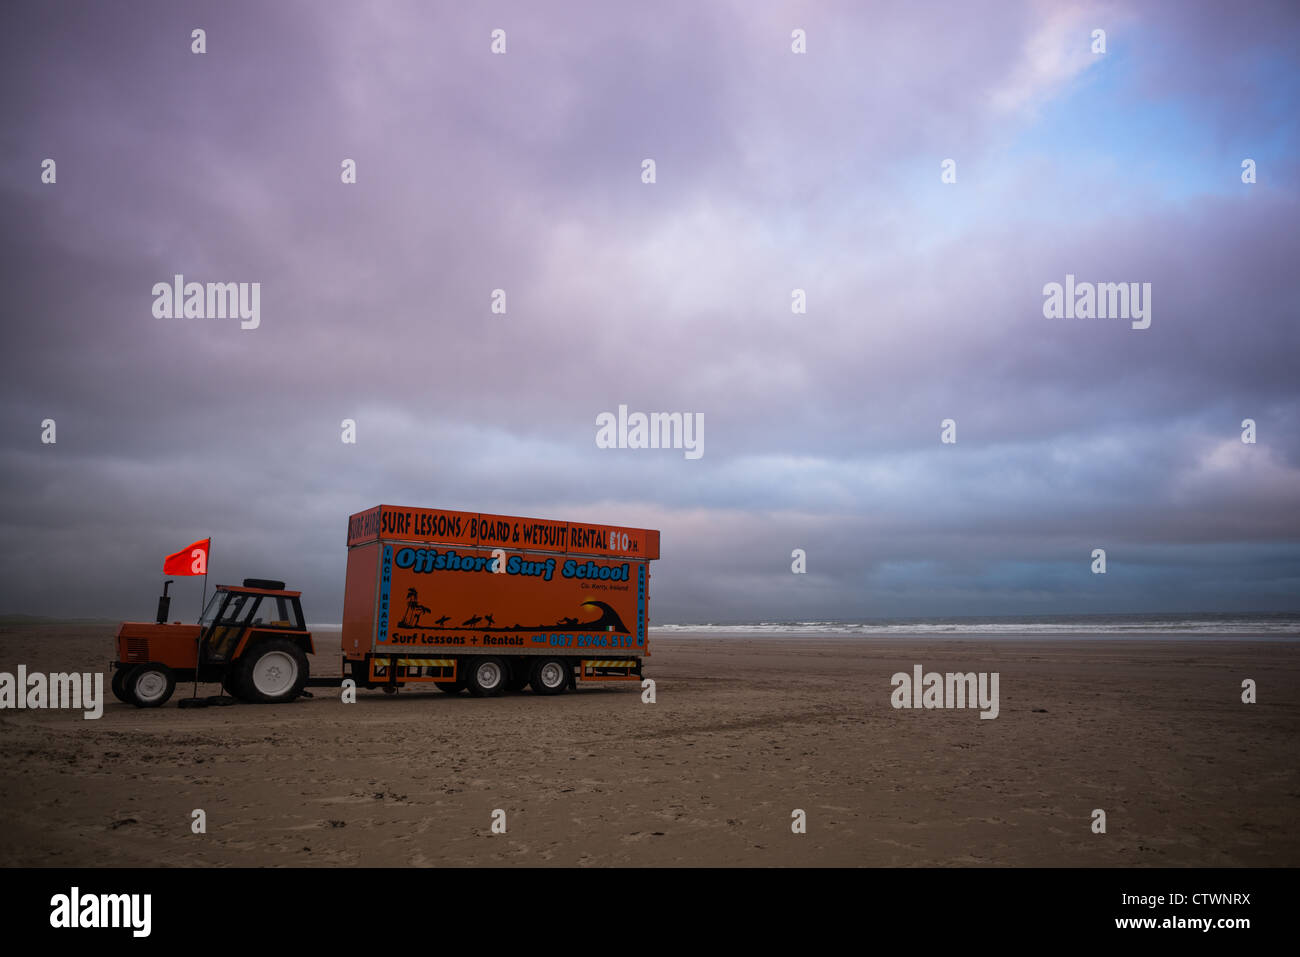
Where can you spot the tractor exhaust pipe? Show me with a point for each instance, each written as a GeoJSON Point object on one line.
{"type": "Point", "coordinates": [164, 603]}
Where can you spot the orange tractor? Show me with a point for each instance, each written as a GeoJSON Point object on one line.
{"type": "Point", "coordinates": [250, 638]}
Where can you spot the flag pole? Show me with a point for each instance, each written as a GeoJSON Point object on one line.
{"type": "Point", "coordinates": [206, 559]}
{"type": "Point", "coordinates": [198, 642]}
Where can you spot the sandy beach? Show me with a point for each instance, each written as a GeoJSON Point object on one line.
{"type": "Point", "coordinates": [743, 732]}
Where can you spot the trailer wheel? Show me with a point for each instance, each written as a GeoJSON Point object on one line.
{"type": "Point", "coordinates": [486, 677]}
{"type": "Point", "coordinates": [273, 672]}
{"type": "Point", "coordinates": [118, 685]}
{"type": "Point", "coordinates": [551, 676]}
{"type": "Point", "coordinates": [451, 687]}
{"type": "Point", "coordinates": [149, 685]}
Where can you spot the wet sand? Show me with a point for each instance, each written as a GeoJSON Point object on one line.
{"type": "Point", "coordinates": [742, 733]}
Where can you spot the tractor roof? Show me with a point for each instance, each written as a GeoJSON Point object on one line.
{"type": "Point", "coordinates": [244, 590]}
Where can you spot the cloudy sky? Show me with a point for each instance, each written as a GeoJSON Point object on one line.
{"type": "Point", "coordinates": [775, 171]}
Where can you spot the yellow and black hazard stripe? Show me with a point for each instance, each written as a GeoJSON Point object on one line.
{"type": "Point", "coordinates": [608, 669]}
{"type": "Point", "coordinates": [410, 669]}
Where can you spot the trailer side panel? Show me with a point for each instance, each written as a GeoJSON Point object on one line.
{"type": "Point", "coordinates": [508, 601]}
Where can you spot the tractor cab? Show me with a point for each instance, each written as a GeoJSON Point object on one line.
{"type": "Point", "coordinates": [232, 611]}
{"type": "Point", "coordinates": [250, 638]}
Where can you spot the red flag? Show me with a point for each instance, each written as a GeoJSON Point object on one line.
{"type": "Point", "coordinates": [190, 560]}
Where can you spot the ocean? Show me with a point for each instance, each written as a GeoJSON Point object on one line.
{"type": "Point", "coordinates": [1198, 625]}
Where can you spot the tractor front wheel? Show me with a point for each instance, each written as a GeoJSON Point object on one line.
{"type": "Point", "coordinates": [149, 685]}
{"type": "Point", "coordinates": [118, 685]}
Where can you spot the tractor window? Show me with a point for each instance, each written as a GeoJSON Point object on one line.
{"type": "Point", "coordinates": [277, 612]}
{"type": "Point", "coordinates": [237, 608]}
{"type": "Point", "coordinates": [214, 603]}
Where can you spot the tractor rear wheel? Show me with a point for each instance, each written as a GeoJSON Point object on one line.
{"type": "Point", "coordinates": [272, 672]}
{"type": "Point", "coordinates": [149, 685]}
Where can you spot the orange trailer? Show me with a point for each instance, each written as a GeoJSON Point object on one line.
{"type": "Point", "coordinates": [493, 602]}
